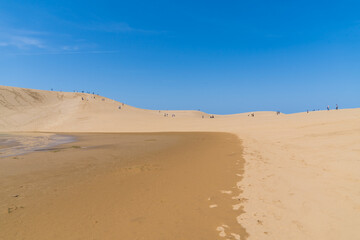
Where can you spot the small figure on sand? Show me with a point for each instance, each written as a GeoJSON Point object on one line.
{"type": "Point", "coordinates": [278, 113]}
{"type": "Point", "coordinates": [337, 107]}
{"type": "Point", "coordinates": [307, 111]}
{"type": "Point", "coordinates": [328, 107]}
{"type": "Point", "coordinates": [119, 107]}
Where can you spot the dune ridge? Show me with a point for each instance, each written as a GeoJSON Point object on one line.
{"type": "Point", "coordinates": [301, 176]}
{"type": "Point", "coordinates": [38, 110]}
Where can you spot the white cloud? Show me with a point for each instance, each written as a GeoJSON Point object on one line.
{"type": "Point", "coordinates": [116, 27]}
{"type": "Point", "coordinates": [24, 42]}
{"type": "Point", "coordinates": [20, 39]}
{"type": "Point", "coordinates": [70, 48]}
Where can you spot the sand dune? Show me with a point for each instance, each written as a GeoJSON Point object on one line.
{"type": "Point", "coordinates": [36, 110]}
{"type": "Point", "coordinates": [301, 177]}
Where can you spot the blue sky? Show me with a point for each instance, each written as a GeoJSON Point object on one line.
{"type": "Point", "coordinates": [218, 56]}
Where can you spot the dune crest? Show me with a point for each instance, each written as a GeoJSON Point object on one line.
{"type": "Point", "coordinates": [38, 110]}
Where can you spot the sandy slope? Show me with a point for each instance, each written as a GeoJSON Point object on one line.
{"type": "Point", "coordinates": [35, 110]}
{"type": "Point", "coordinates": [302, 170]}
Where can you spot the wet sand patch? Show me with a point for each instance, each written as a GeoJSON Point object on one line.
{"type": "Point", "coordinates": [19, 144]}
{"type": "Point", "coordinates": [120, 186]}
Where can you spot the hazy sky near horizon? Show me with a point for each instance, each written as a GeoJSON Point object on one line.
{"type": "Point", "coordinates": [218, 56]}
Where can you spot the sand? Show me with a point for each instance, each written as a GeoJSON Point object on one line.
{"type": "Point", "coordinates": [124, 186]}
{"type": "Point", "coordinates": [301, 176]}
{"type": "Point", "coordinates": [18, 144]}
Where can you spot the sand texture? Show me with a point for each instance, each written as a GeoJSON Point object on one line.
{"type": "Point", "coordinates": [124, 186]}
{"type": "Point", "coordinates": [301, 178]}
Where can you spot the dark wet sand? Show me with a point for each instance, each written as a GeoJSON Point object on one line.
{"type": "Point", "coordinates": [19, 144]}
{"type": "Point", "coordinates": [124, 186]}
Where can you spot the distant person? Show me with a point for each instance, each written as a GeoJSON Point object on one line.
{"type": "Point", "coordinates": [119, 107]}
{"type": "Point", "coordinates": [307, 111]}
{"type": "Point", "coordinates": [328, 107]}
{"type": "Point", "coordinates": [337, 107]}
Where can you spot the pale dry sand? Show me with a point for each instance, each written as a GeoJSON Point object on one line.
{"type": "Point", "coordinates": [301, 177]}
